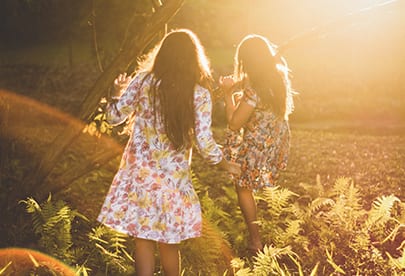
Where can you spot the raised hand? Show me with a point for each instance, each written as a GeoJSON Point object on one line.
{"type": "Point", "coordinates": [234, 168]}
{"type": "Point", "coordinates": [120, 83]}
{"type": "Point", "coordinates": [226, 84]}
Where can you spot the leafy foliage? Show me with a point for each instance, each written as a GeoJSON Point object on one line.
{"type": "Point", "coordinates": [52, 221]}
{"type": "Point", "coordinates": [328, 234]}
{"type": "Point", "coordinates": [98, 124]}
{"type": "Point", "coordinates": [111, 249]}
{"type": "Point", "coordinates": [353, 239]}
{"type": "Point", "coordinates": [102, 250]}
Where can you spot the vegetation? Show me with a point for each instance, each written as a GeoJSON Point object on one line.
{"type": "Point", "coordinates": [326, 231]}
{"type": "Point", "coordinates": [338, 209]}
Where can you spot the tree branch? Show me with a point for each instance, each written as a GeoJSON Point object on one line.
{"type": "Point", "coordinates": [130, 51]}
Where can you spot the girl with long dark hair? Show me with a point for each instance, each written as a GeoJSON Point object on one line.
{"type": "Point", "coordinates": [152, 197]}
{"type": "Point", "coordinates": [258, 100]}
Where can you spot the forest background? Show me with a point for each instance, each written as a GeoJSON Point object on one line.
{"type": "Point", "coordinates": [347, 63]}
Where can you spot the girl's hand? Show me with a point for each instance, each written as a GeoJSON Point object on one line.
{"type": "Point", "coordinates": [234, 169]}
{"type": "Point", "coordinates": [226, 84]}
{"type": "Point", "coordinates": [120, 83]}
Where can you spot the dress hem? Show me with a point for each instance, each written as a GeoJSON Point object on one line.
{"type": "Point", "coordinates": [140, 236]}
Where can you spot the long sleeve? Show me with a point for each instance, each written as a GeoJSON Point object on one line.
{"type": "Point", "coordinates": [123, 106]}
{"type": "Point", "coordinates": [206, 144]}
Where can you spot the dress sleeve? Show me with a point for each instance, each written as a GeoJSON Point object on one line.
{"type": "Point", "coordinates": [121, 107]}
{"type": "Point", "coordinates": [206, 144]}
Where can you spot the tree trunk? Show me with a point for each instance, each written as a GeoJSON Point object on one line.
{"type": "Point", "coordinates": [130, 51]}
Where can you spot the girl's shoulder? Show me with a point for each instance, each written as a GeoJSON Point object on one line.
{"type": "Point", "coordinates": [144, 77]}
{"type": "Point", "coordinates": [141, 80]}
{"type": "Point", "coordinates": [201, 91]}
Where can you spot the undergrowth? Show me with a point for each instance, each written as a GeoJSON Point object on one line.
{"type": "Point", "coordinates": [324, 232]}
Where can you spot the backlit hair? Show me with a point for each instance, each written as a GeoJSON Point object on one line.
{"type": "Point", "coordinates": [257, 59]}
{"type": "Point", "coordinates": [177, 65]}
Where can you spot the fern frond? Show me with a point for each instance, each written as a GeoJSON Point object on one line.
{"type": "Point", "coordinates": [277, 199]}
{"type": "Point", "coordinates": [381, 210]}
{"type": "Point", "coordinates": [98, 232]}
{"type": "Point", "coordinates": [399, 262]}
{"type": "Point", "coordinates": [239, 269]}
{"type": "Point", "coordinates": [293, 229]}
{"type": "Point", "coordinates": [37, 218]}
{"type": "Point", "coordinates": [211, 210]}
{"type": "Point", "coordinates": [106, 252]}
{"type": "Point", "coordinates": [318, 204]}
{"type": "Point", "coordinates": [31, 205]}
{"type": "Point", "coordinates": [117, 242]}
{"type": "Point", "coordinates": [49, 209]}
{"type": "Point", "coordinates": [393, 234]}
{"type": "Point", "coordinates": [340, 187]}
{"type": "Point", "coordinates": [337, 216]}
{"type": "Point", "coordinates": [353, 197]}
{"type": "Point", "coordinates": [112, 258]}
{"type": "Point", "coordinates": [267, 261]}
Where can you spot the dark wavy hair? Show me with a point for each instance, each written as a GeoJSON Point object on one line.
{"type": "Point", "coordinates": [177, 65]}
{"type": "Point", "coordinates": [256, 58]}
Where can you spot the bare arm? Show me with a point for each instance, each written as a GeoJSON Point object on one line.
{"type": "Point", "coordinates": [237, 112]}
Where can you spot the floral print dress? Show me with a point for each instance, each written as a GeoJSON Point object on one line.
{"type": "Point", "coordinates": [261, 149]}
{"type": "Point", "coordinates": [152, 196]}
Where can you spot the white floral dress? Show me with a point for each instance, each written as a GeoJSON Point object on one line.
{"type": "Point", "coordinates": [152, 196]}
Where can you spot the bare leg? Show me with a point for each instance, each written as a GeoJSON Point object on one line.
{"type": "Point", "coordinates": [248, 206]}
{"type": "Point", "coordinates": [144, 257]}
{"type": "Point", "coordinates": [170, 259]}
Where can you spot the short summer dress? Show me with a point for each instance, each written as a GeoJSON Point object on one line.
{"type": "Point", "coordinates": [152, 196]}
{"type": "Point", "coordinates": [261, 149]}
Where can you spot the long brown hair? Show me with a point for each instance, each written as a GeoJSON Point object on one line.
{"type": "Point", "coordinates": [178, 66]}
{"type": "Point", "coordinates": [256, 59]}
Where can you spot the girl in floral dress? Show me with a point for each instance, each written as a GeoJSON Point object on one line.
{"type": "Point", "coordinates": [258, 132]}
{"type": "Point", "coordinates": [151, 197]}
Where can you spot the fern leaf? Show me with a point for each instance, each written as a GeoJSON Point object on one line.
{"type": "Point", "coordinates": [341, 185]}
{"type": "Point", "coordinates": [318, 204]}
{"type": "Point", "coordinates": [399, 262]}
{"type": "Point", "coordinates": [266, 262]}
{"type": "Point", "coordinates": [353, 197]}
{"type": "Point", "coordinates": [79, 215]}
{"type": "Point", "coordinates": [31, 205]}
{"type": "Point", "coordinates": [393, 234]}
{"type": "Point", "coordinates": [277, 199]}
{"type": "Point", "coordinates": [381, 210]}
{"type": "Point", "coordinates": [293, 228]}
{"type": "Point", "coordinates": [128, 255]}
{"type": "Point", "coordinates": [33, 208]}
{"type": "Point", "coordinates": [98, 232]}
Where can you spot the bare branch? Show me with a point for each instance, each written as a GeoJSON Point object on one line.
{"type": "Point", "coordinates": [130, 51]}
